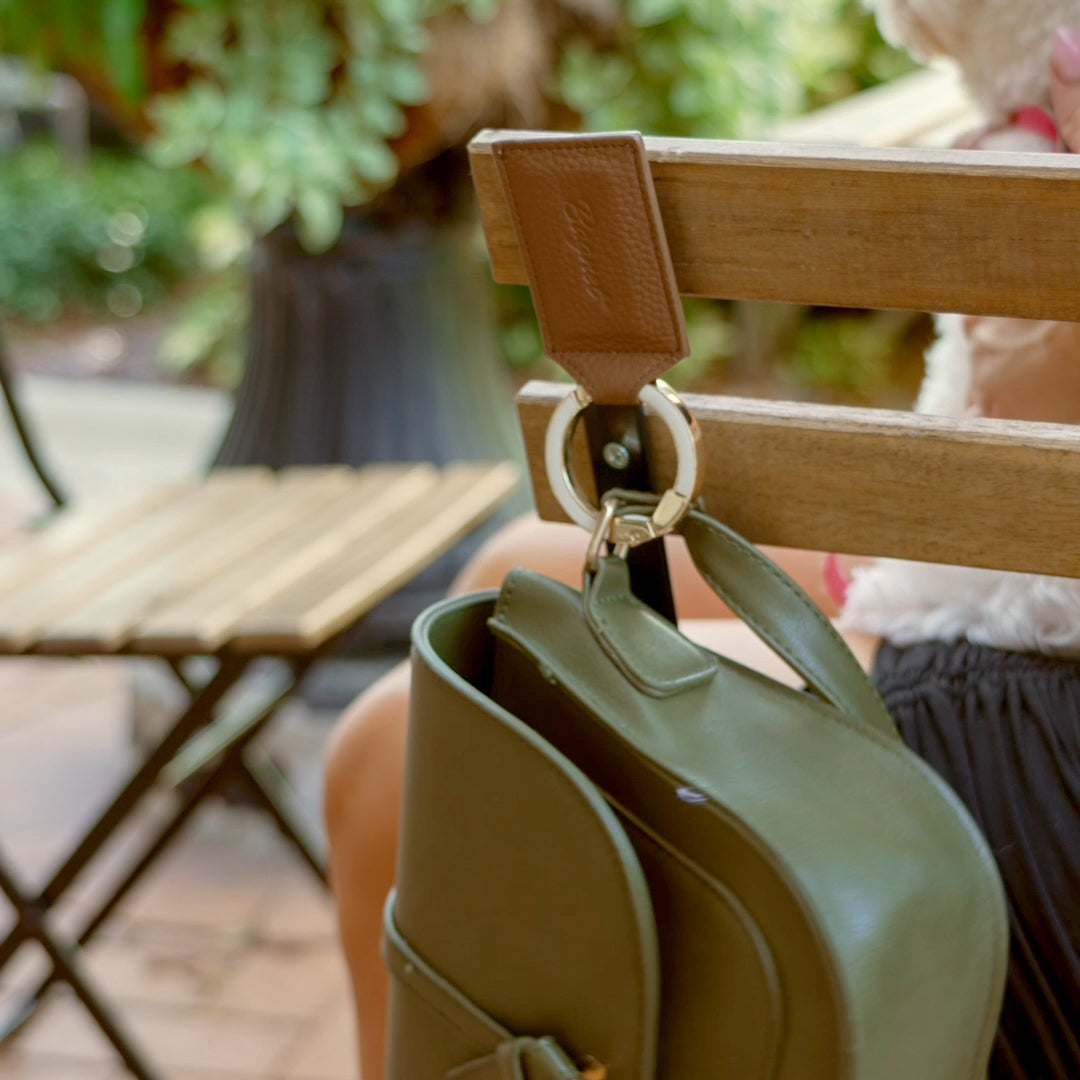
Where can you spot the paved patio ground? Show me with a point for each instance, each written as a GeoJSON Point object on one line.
{"type": "Point", "coordinates": [224, 961]}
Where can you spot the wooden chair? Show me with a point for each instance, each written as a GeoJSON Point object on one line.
{"type": "Point", "coordinates": [242, 565]}
{"type": "Point", "coordinates": [914, 229]}
{"type": "Point", "coordinates": [928, 108]}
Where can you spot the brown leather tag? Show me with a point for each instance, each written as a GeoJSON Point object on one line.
{"type": "Point", "coordinates": [589, 228]}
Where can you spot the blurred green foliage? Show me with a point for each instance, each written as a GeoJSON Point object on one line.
{"type": "Point", "coordinates": [61, 33]}
{"type": "Point", "coordinates": [290, 108]}
{"type": "Point", "coordinates": [705, 68]}
{"type": "Point", "coordinates": [712, 69]}
{"type": "Point", "coordinates": [854, 355]}
{"type": "Point", "coordinates": [859, 58]}
{"type": "Point", "coordinates": [112, 234]}
{"type": "Point", "coordinates": [292, 102]}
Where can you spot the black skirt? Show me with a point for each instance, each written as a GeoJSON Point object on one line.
{"type": "Point", "coordinates": [1004, 730]}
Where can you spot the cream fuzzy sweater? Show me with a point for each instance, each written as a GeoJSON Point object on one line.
{"type": "Point", "coordinates": [1003, 49]}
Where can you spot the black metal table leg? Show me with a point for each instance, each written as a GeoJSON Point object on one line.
{"type": "Point", "coordinates": [195, 717]}
{"type": "Point", "coordinates": [276, 796]}
{"type": "Point", "coordinates": [197, 756]}
{"type": "Point", "coordinates": [33, 908]}
{"type": "Point", "coordinates": [67, 968]}
{"type": "Point", "coordinates": [197, 787]}
{"type": "Point", "coordinates": [231, 744]}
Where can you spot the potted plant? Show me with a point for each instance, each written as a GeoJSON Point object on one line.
{"type": "Point", "coordinates": [339, 130]}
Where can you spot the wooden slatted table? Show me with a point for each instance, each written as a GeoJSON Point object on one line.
{"type": "Point", "coordinates": [242, 565]}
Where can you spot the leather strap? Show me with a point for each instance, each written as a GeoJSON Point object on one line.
{"type": "Point", "coordinates": [785, 618]}
{"type": "Point", "coordinates": [589, 228]}
{"type": "Point", "coordinates": [520, 1059]}
{"type": "Point", "coordinates": [511, 1057]}
{"type": "Point", "coordinates": [647, 649]}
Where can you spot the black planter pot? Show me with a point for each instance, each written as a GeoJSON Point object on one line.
{"type": "Point", "coordinates": [382, 349]}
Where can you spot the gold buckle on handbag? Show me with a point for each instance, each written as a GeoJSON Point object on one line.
{"type": "Point", "coordinates": [628, 530]}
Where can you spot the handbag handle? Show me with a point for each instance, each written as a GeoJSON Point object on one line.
{"type": "Point", "coordinates": [785, 618]}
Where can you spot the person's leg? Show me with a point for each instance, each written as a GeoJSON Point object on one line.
{"type": "Point", "coordinates": [364, 773]}
{"type": "Point", "coordinates": [366, 755]}
{"type": "Point", "coordinates": [558, 550]}
{"type": "Point", "coordinates": [735, 640]}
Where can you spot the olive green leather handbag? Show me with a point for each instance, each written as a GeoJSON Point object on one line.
{"type": "Point", "coordinates": [622, 853]}
{"type": "Point", "coordinates": [626, 858]}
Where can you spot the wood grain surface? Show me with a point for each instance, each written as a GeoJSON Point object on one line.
{"type": "Point", "coordinates": [282, 560]}
{"type": "Point", "coordinates": [868, 481]}
{"type": "Point", "coordinates": [914, 229]}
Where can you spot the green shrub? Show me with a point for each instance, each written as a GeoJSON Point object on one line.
{"type": "Point", "coordinates": [292, 107]}
{"type": "Point", "coordinates": [854, 356]}
{"type": "Point", "coordinates": [108, 235]}
{"type": "Point", "coordinates": [713, 69]}
{"type": "Point", "coordinates": [60, 34]}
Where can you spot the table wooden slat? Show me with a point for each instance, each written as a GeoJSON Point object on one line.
{"type": "Point", "coordinates": [27, 612]}
{"type": "Point", "coordinates": [105, 622]}
{"type": "Point", "coordinates": [201, 621]}
{"type": "Point", "coordinates": [31, 555]}
{"type": "Point", "coordinates": [375, 565]}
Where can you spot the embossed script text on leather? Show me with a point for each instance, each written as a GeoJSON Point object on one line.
{"type": "Point", "coordinates": [589, 227]}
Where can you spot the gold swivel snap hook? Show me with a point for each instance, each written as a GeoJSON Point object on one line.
{"type": "Point", "coordinates": [606, 523]}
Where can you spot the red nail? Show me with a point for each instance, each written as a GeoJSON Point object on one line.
{"type": "Point", "coordinates": [835, 583]}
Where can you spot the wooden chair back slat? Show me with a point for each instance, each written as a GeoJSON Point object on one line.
{"type": "Point", "coordinates": [868, 481]}
{"type": "Point", "coordinates": [913, 229]}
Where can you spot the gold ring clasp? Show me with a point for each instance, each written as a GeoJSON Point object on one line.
{"type": "Point", "coordinates": [629, 529]}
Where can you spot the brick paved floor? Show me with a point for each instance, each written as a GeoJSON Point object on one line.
{"type": "Point", "coordinates": [224, 962]}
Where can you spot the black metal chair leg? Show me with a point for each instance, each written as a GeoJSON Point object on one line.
{"type": "Point", "coordinates": [22, 430]}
